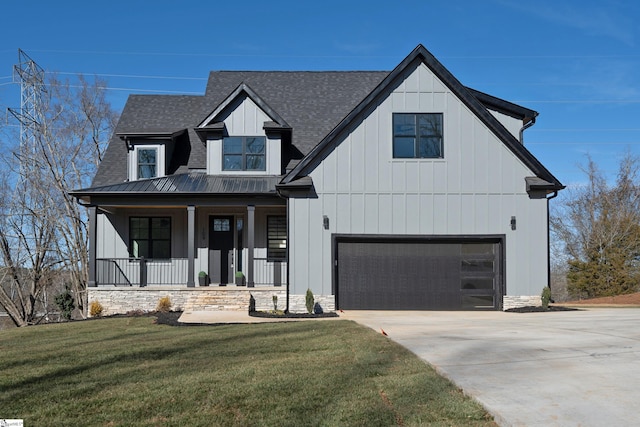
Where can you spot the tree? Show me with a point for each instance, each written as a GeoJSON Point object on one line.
{"type": "Point", "coordinates": [43, 231]}
{"type": "Point", "coordinates": [599, 227]}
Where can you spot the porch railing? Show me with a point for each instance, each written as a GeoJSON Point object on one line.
{"type": "Point", "coordinates": [174, 271]}
{"type": "Point", "coordinates": [141, 272]}
{"type": "Point", "coordinates": [269, 272]}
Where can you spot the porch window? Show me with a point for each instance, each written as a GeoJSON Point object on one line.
{"type": "Point", "coordinates": [417, 136]}
{"type": "Point", "coordinates": [277, 238]}
{"type": "Point", "coordinates": [244, 153]}
{"type": "Point", "coordinates": [150, 237]}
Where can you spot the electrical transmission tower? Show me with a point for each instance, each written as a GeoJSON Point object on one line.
{"type": "Point", "coordinates": [30, 115]}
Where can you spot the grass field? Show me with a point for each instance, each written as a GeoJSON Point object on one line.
{"type": "Point", "coordinates": [130, 371]}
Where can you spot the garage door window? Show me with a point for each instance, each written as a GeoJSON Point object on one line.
{"type": "Point", "coordinates": [477, 282]}
{"type": "Point", "coordinates": [470, 302]}
{"type": "Point", "coordinates": [477, 266]}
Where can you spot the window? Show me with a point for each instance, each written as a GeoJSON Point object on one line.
{"type": "Point", "coordinates": [147, 163]}
{"type": "Point", "coordinates": [150, 237]}
{"type": "Point", "coordinates": [417, 136]}
{"type": "Point", "coordinates": [244, 153]}
{"type": "Point", "coordinates": [277, 238]}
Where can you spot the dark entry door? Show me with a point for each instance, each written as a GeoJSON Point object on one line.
{"type": "Point", "coordinates": [220, 249]}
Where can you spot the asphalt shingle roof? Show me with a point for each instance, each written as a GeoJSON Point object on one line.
{"type": "Point", "coordinates": [313, 103]}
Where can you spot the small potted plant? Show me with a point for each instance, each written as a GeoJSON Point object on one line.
{"type": "Point", "coordinates": [239, 278]}
{"type": "Point", "coordinates": [203, 279]}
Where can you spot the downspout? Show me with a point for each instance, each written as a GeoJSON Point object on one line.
{"type": "Point", "coordinates": [287, 219]}
{"type": "Point", "coordinates": [526, 126]}
{"type": "Point", "coordinates": [287, 284]}
{"type": "Point", "coordinates": [553, 196]}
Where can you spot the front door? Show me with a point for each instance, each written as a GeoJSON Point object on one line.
{"type": "Point", "coordinates": [221, 249]}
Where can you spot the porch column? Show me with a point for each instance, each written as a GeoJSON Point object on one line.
{"type": "Point", "coordinates": [93, 217]}
{"type": "Point", "coordinates": [191, 235]}
{"type": "Point", "coordinates": [251, 221]}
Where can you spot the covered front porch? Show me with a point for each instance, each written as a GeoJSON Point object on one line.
{"type": "Point", "coordinates": [231, 245]}
{"type": "Point", "coordinates": [234, 232]}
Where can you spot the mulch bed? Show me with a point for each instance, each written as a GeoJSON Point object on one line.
{"type": "Point", "coordinates": [534, 309]}
{"type": "Point", "coordinates": [269, 315]}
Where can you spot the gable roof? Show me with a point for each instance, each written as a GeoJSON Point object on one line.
{"type": "Point", "coordinates": [311, 102]}
{"type": "Point", "coordinates": [244, 89]}
{"type": "Point", "coordinates": [421, 55]}
{"type": "Point", "coordinates": [316, 105]}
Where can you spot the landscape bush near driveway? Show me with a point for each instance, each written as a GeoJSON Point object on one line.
{"type": "Point", "coordinates": [131, 371]}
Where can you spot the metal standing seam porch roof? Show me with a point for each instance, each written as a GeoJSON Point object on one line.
{"type": "Point", "coordinates": [190, 183]}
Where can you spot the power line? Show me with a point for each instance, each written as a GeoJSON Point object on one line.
{"type": "Point", "coordinates": [265, 55]}
{"type": "Point", "coordinates": [130, 76]}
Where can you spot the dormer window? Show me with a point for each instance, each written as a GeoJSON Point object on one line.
{"type": "Point", "coordinates": [147, 163]}
{"type": "Point", "coordinates": [244, 153]}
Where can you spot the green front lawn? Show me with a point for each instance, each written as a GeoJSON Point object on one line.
{"type": "Point", "coordinates": [130, 371]}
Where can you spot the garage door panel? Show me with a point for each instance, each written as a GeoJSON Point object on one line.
{"type": "Point", "coordinates": [417, 275]}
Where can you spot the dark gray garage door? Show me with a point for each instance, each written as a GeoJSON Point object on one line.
{"type": "Point", "coordinates": [418, 274]}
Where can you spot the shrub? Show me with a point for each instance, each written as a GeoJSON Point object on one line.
{"type": "Point", "coordinates": [308, 299]}
{"type": "Point", "coordinates": [546, 297]}
{"type": "Point", "coordinates": [95, 309]}
{"type": "Point", "coordinates": [252, 304]}
{"type": "Point", "coordinates": [164, 304]}
{"type": "Point", "coordinates": [64, 302]}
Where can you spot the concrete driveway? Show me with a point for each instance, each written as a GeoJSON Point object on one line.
{"type": "Point", "coordinates": [573, 368]}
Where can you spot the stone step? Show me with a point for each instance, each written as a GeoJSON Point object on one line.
{"type": "Point", "coordinates": [222, 300]}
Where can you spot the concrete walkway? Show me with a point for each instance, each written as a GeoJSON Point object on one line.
{"type": "Point", "coordinates": [574, 368]}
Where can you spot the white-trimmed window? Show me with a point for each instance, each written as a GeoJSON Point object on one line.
{"type": "Point", "coordinates": [146, 161]}
{"type": "Point", "coordinates": [417, 136]}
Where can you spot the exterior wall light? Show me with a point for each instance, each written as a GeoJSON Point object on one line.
{"type": "Point", "coordinates": [513, 222]}
{"type": "Point", "coordinates": [325, 222]}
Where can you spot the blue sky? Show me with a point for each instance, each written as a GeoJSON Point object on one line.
{"type": "Point", "coordinates": [576, 62]}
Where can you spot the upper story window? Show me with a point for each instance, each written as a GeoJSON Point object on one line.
{"type": "Point", "coordinates": [417, 136]}
{"type": "Point", "coordinates": [147, 163]}
{"type": "Point", "coordinates": [244, 153]}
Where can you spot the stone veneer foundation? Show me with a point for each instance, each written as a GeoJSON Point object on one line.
{"type": "Point", "coordinates": [509, 302]}
{"type": "Point", "coordinates": [118, 300]}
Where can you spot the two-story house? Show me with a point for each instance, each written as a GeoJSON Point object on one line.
{"type": "Point", "coordinates": [376, 190]}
